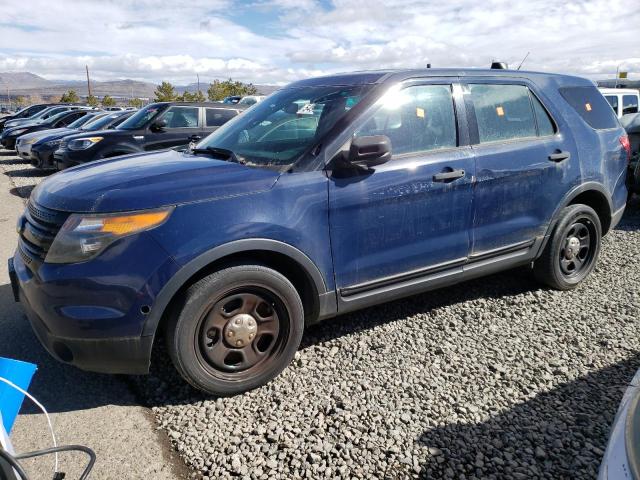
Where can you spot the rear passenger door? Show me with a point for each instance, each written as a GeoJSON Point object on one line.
{"type": "Point", "coordinates": [526, 159]}
{"type": "Point", "coordinates": [182, 123]}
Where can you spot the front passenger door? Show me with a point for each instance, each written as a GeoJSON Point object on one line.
{"type": "Point", "coordinates": [413, 214]}
{"type": "Point", "coordinates": [182, 123]}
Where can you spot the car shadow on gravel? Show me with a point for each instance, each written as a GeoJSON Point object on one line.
{"type": "Point", "coordinates": [22, 192]}
{"type": "Point", "coordinates": [59, 387]}
{"type": "Point", "coordinates": [561, 433]}
{"type": "Point", "coordinates": [27, 172]}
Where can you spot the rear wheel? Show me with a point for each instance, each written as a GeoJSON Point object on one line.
{"type": "Point", "coordinates": [571, 253]}
{"type": "Point", "coordinates": [238, 329]}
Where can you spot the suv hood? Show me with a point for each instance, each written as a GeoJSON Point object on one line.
{"type": "Point", "coordinates": [149, 180]}
{"type": "Point", "coordinates": [45, 133]}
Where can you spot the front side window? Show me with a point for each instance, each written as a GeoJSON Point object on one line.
{"type": "Point", "coordinates": [181, 117]}
{"type": "Point", "coordinates": [629, 104]}
{"type": "Point", "coordinates": [218, 116]}
{"type": "Point", "coordinates": [503, 112]}
{"type": "Point", "coordinates": [415, 119]}
{"type": "Point", "coordinates": [277, 131]}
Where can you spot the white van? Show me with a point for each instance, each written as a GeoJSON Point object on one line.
{"type": "Point", "coordinates": [622, 100]}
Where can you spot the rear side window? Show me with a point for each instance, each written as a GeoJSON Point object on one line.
{"type": "Point", "coordinates": [503, 112]}
{"type": "Point", "coordinates": [416, 119]}
{"type": "Point", "coordinates": [589, 103]}
{"type": "Point", "coordinates": [218, 116]}
{"type": "Point", "coordinates": [629, 104]}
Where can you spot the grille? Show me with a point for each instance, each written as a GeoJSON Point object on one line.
{"type": "Point", "coordinates": [39, 228]}
{"type": "Point", "coordinates": [63, 145]}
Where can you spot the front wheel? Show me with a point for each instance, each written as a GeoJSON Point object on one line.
{"type": "Point", "coordinates": [571, 253]}
{"type": "Point", "coordinates": [239, 328]}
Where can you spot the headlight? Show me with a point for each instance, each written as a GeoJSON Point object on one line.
{"type": "Point", "coordinates": [84, 236]}
{"type": "Point", "coordinates": [83, 143]}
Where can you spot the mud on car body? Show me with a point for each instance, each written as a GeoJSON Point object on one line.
{"type": "Point", "coordinates": [330, 195]}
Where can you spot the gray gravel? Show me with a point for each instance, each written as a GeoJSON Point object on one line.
{"type": "Point", "coordinates": [494, 378]}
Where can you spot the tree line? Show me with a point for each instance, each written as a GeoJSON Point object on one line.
{"type": "Point", "coordinates": [165, 92]}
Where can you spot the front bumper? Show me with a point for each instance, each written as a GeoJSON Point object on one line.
{"type": "Point", "coordinates": [24, 150]}
{"type": "Point", "coordinates": [42, 157]}
{"type": "Point", "coordinates": [61, 160]}
{"type": "Point", "coordinates": [121, 355]}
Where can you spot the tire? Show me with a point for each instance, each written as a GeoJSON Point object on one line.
{"type": "Point", "coordinates": [237, 329]}
{"type": "Point", "coordinates": [564, 264]}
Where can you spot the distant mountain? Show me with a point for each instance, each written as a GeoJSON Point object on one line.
{"type": "Point", "coordinates": [30, 85]}
{"type": "Point", "coordinates": [15, 80]}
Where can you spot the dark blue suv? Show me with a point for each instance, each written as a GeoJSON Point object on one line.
{"type": "Point", "coordinates": [331, 195]}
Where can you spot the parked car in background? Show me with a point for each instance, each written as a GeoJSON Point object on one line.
{"type": "Point", "coordinates": [43, 149]}
{"type": "Point", "coordinates": [41, 116]}
{"type": "Point", "coordinates": [26, 141]}
{"type": "Point", "coordinates": [62, 119]}
{"type": "Point", "coordinates": [24, 113]}
{"type": "Point", "coordinates": [157, 126]}
{"type": "Point", "coordinates": [631, 124]}
{"type": "Point", "coordinates": [373, 186]}
{"type": "Point", "coordinates": [251, 100]}
{"type": "Point", "coordinates": [232, 99]}
{"type": "Point", "coordinates": [622, 456]}
{"type": "Point", "coordinates": [112, 109]}
{"type": "Point", "coordinates": [624, 101]}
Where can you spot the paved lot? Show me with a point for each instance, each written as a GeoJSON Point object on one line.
{"type": "Point", "coordinates": [99, 411]}
{"type": "Point", "coordinates": [494, 378]}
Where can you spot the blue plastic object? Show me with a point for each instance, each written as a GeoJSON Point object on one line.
{"type": "Point", "coordinates": [19, 373]}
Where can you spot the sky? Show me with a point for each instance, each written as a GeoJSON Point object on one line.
{"type": "Point", "coordinates": [278, 41]}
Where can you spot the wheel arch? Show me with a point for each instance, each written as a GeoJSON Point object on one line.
{"type": "Point", "coordinates": [284, 258]}
{"type": "Point", "coordinates": [592, 194]}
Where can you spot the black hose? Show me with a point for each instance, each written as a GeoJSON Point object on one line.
{"type": "Point", "coordinates": [13, 460]}
{"type": "Point", "coordinates": [13, 463]}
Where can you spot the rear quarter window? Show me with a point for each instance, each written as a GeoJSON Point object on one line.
{"type": "Point", "coordinates": [589, 103]}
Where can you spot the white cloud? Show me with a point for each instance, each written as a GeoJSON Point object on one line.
{"type": "Point", "coordinates": [275, 41]}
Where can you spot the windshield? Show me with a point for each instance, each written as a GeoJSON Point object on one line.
{"type": "Point", "coordinates": [55, 118]}
{"type": "Point", "coordinates": [140, 119]}
{"type": "Point", "coordinates": [44, 112]}
{"type": "Point", "coordinates": [99, 122]}
{"type": "Point", "coordinates": [275, 132]}
{"type": "Point", "coordinates": [82, 120]}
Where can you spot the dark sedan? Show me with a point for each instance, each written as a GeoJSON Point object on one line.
{"type": "Point", "coordinates": [9, 136]}
{"type": "Point", "coordinates": [42, 150]}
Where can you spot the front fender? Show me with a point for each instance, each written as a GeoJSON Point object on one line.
{"type": "Point", "coordinates": [327, 298]}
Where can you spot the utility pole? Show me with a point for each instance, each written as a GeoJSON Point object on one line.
{"type": "Point", "coordinates": [198, 77]}
{"type": "Point", "coordinates": [88, 82]}
{"type": "Point", "coordinates": [8, 97]}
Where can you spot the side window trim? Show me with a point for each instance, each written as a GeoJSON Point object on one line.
{"type": "Point", "coordinates": [554, 124]}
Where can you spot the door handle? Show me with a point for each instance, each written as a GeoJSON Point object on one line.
{"type": "Point", "coordinates": [559, 156]}
{"type": "Point", "coordinates": [448, 176]}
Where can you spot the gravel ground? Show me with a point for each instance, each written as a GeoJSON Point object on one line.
{"type": "Point", "coordinates": [494, 378]}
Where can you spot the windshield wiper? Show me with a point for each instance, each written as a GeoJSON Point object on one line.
{"type": "Point", "coordinates": [223, 153]}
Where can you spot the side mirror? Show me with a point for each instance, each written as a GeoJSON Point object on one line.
{"type": "Point", "coordinates": [370, 151]}
{"type": "Point", "coordinates": [158, 125]}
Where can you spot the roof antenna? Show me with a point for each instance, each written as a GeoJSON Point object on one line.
{"type": "Point", "coordinates": [525, 57]}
